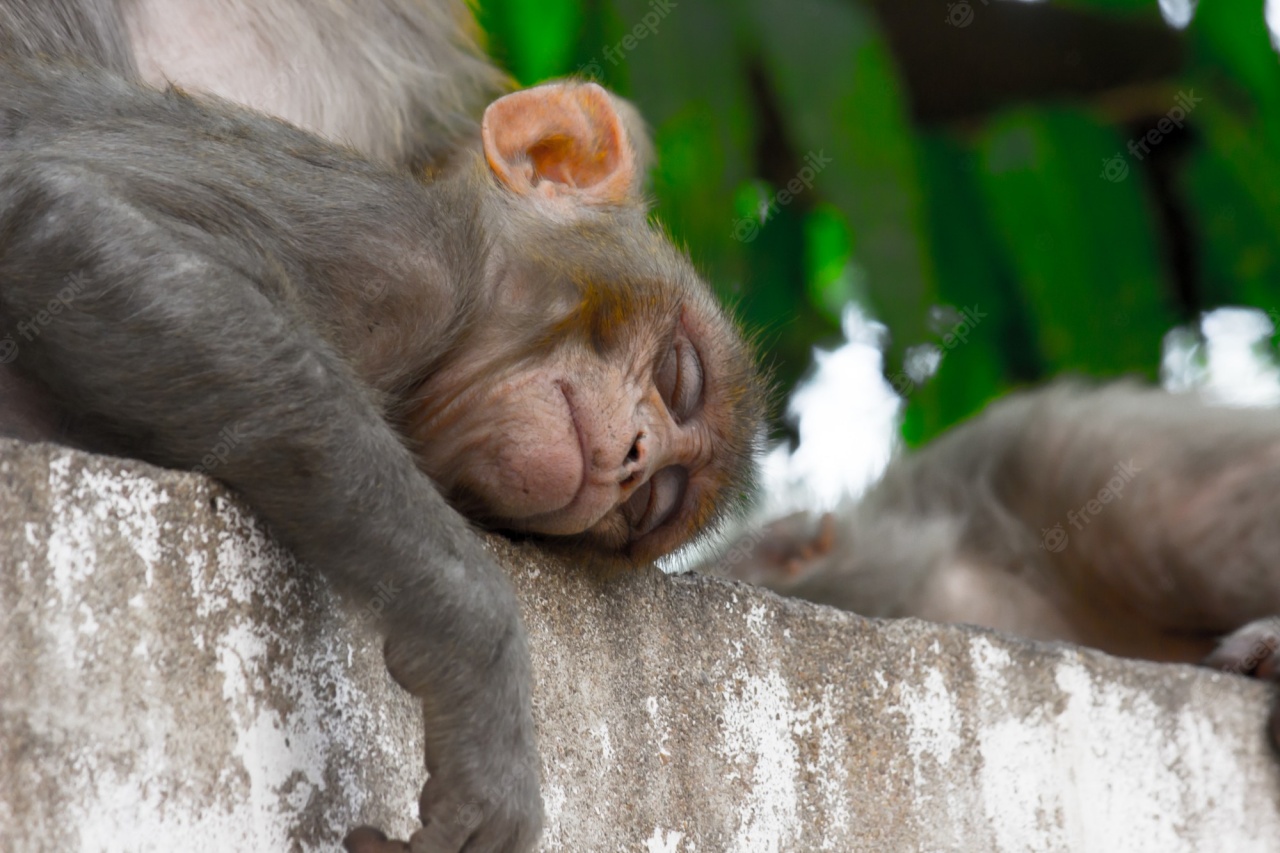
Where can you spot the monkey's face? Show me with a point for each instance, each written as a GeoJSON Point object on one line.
{"type": "Point", "coordinates": [601, 394]}
{"type": "Point", "coordinates": [612, 409]}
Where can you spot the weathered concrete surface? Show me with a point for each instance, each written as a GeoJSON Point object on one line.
{"type": "Point", "coordinates": [170, 681]}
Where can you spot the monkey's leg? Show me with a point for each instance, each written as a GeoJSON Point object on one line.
{"type": "Point", "coordinates": [150, 337]}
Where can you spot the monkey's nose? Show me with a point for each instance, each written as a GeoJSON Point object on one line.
{"type": "Point", "coordinates": [633, 466]}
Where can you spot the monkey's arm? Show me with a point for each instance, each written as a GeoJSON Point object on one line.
{"type": "Point", "coordinates": [152, 327]}
{"type": "Point", "coordinates": [1129, 519]}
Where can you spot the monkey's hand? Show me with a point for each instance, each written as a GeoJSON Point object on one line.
{"type": "Point", "coordinates": [781, 551]}
{"type": "Point", "coordinates": [1252, 650]}
{"type": "Point", "coordinates": [483, 792]}
{"type": "Point", "coordinates": [366, 839]}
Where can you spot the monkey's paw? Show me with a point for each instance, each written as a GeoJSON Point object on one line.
{"type": "Point", "coordinates": [502, 816]}
{"type": "Point", "coordinates": [366, 839]}
{"type": "Point", "coordinates": [507, 820]}
{"type": "Point", "coordinates": [784, 550]}
{"type": "Point", "coordinates": [1253, 650]}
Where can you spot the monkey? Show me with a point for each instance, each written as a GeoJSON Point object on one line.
{"type": "Point", "coordinates": [394, 322]}
{"type": "Point", "coordinates": [1125, 518]}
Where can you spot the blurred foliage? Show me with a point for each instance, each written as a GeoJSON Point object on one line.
{"type": "Point", "coordinates": [1066, 228]}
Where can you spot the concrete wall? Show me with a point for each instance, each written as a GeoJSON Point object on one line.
{"type": "Point", "coordinates": [170, 680]}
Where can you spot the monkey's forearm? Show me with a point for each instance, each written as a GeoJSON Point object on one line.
{"type": "Point", "coordinates": [194, 362]}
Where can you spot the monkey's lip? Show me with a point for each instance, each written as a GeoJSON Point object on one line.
{"type": "Point", "coordinates": [582, 444]}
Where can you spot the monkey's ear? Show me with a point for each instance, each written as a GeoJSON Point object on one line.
{"type": "Point", "coordinates": [562, 141]}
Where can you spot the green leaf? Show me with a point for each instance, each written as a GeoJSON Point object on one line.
{"type": "Point", "coordinates": [689, 83]}
{"type": "Point", "coordinates": [1233, 191]}
{"type": "Point", "coordinates": [833, 279]}
{"type": "Point", "coordinates": [1067, 203]}
{"type": "Point", "coordinates": [989, 348]}
{"type": "Point", "coordinates": [1232, 179]}
{"type": "Point", "coordinates": [844, 114]}
{"type": "Point", "coordinates": [534, 40]}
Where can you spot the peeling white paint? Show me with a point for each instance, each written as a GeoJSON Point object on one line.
{"type": "Point", "coordinates": [601, 732]}
{"type": "Point", "coordinates": [757, 739]}
{"type": "Point", "coordinates": [932, 723]}
{"type": "Point", "coordinates": [136, 791]}
{"type": "Point", "coordinates": [220, 714]}
{"type": "Point", "coordinates": [659, 724]}
{"type": "Point", "coordinates": [663, 841]}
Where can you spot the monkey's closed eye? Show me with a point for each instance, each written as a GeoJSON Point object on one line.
{"type": "Point", "coordinates": [679, 378]}
{"type": "Point", "coordinates": [654, 503]}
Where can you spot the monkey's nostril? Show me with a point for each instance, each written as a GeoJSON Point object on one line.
{"type": "Point", "coordinates": [633, 455]}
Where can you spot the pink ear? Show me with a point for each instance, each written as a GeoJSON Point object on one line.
{"type": "Point", "coordinates": [560, 141]}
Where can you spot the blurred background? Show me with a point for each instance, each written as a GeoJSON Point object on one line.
{"type": "Point", "coordinates": [916, 206]}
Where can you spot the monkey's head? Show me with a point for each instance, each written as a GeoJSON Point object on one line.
{"type": "Point", "coordinates": [600, 395]}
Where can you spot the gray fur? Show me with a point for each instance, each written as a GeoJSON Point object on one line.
{"type": "Point", "coordinates": [174, 272]}
{"type": "Point", "coordinates": [87, 31]}
{"type": "Point", "coordinates": [962, 530]}
{"type": "Point", "coordinates": [186, 233]}
{"type": "Point", "coordinates": [205, 287]}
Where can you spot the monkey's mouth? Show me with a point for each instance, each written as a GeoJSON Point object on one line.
{"type": "Point", "coordinates": [656, 501]}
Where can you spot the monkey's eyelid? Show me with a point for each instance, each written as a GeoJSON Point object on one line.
{"type": "Point", "coordinates": [662, 496]}
{"type": "Point", "coordinates": [666, 376]}
{"type": "Point", "coordinates": [689, 380]}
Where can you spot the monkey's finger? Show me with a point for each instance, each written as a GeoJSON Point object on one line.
{"type": "Point", "coordinates": [367, 839]}
{"type": "Point", "coordinates": [1250, 650]}
{"type": "Point", "coordinates": [438, 836]}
